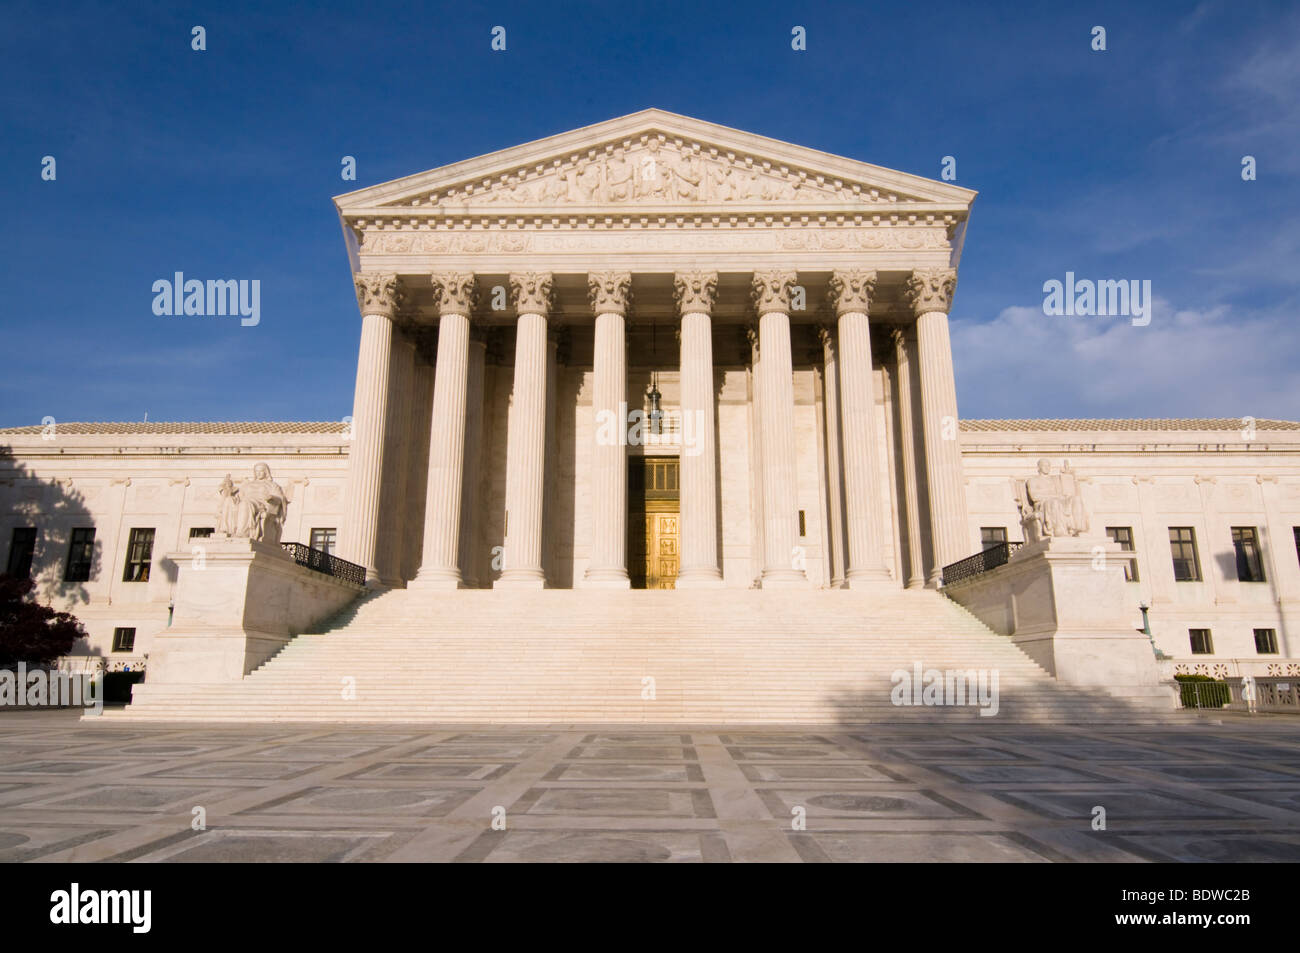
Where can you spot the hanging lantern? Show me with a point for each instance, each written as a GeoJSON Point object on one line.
{"type": "Point", "coordinates": [656, 415]}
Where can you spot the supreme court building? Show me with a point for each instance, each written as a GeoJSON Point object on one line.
{"type": "Point", "coordinates": [659, 304]}
{"type": "Point", "coordinates": [658, 353]}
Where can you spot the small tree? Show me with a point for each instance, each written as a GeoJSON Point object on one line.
{"type": "Point", "coordinates": [29, 631]}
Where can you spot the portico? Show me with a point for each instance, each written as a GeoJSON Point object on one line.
{"type": "Point", "coordinates": [772, 317]}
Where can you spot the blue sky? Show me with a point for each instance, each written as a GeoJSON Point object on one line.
{"type": "Point", "coordinates": [1117, 164]}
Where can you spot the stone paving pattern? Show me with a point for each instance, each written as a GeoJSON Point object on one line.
{"type": "Point", "coordinates": [1221, 789]}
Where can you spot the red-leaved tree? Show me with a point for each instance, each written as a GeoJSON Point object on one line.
{"type": "Point", "coordinates": [29, 631]}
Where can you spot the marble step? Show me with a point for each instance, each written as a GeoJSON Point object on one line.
{"type": "Point", "coordinates": [724, 657]}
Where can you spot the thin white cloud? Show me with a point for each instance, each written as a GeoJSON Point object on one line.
{"type": "Point", "coordinates": [1218, 362]}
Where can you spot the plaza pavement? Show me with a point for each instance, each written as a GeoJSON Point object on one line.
{"type": "Point", "coordinates": [1219, 788]}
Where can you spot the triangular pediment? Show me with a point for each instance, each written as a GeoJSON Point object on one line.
{"type": "Point", "coordinates": [656, 160]}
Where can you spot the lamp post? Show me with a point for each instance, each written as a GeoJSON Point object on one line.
{"type": "Point", "coordinates": [1146, 628]}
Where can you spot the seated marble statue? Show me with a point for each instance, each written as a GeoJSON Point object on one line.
{"type": "Point", "coordinates": [1044, 505]}
{"type": "Point", "coordinates": [260, 506]}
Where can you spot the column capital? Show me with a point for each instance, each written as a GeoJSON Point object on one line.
{"type": "Point", "coordinates": [610, 292]}
{"type": "Point", "coordinates": [771, 291]}
{"type": "Point", "coordinates": [532, 292]}
{"type": "Point", "coordinates": [825, 335]}
{"type": "Point", "coordinates": [454, 292]}
{"type": "Point", "coordinates": [751, 336]}
{"type": "Point", "coordinates": [695, 291]}
{"type": "Point", "coordinates": [930, 290]}
{"type": "Point", "coordinates": [851, 290]}
{"type": "Point", "coordinates": [378, 293]}
{"type": "Point", "coordinates": [898, 337]}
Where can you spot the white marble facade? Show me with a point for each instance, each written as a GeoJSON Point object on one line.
{"type": "Point", "coordinates": [543, 290]}
{"type": "Point", "coordinates": [791, 309]}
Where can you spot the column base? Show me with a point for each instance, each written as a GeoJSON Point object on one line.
{"type": "Point", "coordinates": [437, 579]}
{"type": "Point", "coordinates": [784, 579]}
{"type": "Point", "coordinates": [606, 579]}
{"type": "Point", "coordinates": [867, 579]}
{"type": "Point", "coordinates": [521, 579]}
{"type": "Point", "coordinates": [699, 579]}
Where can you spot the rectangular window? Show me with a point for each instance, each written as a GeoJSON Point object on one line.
{"type": "Point", "coordinates": [22, 547]}
{"type": "Point", "coordinates": [139, 556]}
{"type": "Point", "coordinates": [991, 536]}
{"type": "Point", "coordinates": [1202, 644]}
{"type": "Point", "coordinates": [1295, 531]}
{"type": "Point", "coordinates": [81, 553]}
{"type": "Point", "coordinates": [123, 640]}
{"type": "Point", "coordinates": [1245, 540]}
{"type": "Point", "coordinates": [1182, 545]}
{"type": "Point", "coordinates": [201, 532]}
{"type": "Point", "coordinates": [803, 524]}
{"type": "Point", "coordinates": [324, 538]}
{"type": "Point", "coordinates": [1266, 641]}
{"type": "Point", "coordinates": [1123, 535]}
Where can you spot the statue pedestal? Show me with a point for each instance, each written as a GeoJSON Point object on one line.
{"type": "Point", "coordinates": [1064, 602]}
{"type": "Point", "coordinates": [236, 604]}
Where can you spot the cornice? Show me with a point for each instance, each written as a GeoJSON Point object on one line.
{"type": "Point", "coordinates": [710, 142]}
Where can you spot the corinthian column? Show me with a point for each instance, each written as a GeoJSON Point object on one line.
{"type": "Point", "coordinates": [526, 442]}
{"type": "Point", "coordinates": [694, 292]}
{"type": "Point", "coordinates": [377, 296]}
{"type": "Point", "coordinates": [771, 291]}
{"type": "Point", "coordinates": [393, 496]}
{"type": "Point", "coordinates": [469, 498]}
{"type": "Point", "coordinates": [834, 457]}
{"type": "Point", "coordinates": [609, 292]}
{"type": "Point", "coordinates": [914, 570]}
{"type": "Point", "coordinates": [439, 569]}
{"type": "Point", "coordinates": [850, 296]}
{"type": "Point", "coordinates": [930, 295]}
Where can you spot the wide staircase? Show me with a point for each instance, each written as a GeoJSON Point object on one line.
{"type": "Point", "coordinates": [705, 657]}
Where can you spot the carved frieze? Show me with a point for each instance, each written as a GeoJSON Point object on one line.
{"type": "Point", "coordinates": [786, 238]}
{"type": "Point", "coordinates": [657, 171]}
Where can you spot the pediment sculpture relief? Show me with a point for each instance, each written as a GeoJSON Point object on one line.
{"type": "Point", "coordinates": [1051, 504]}
{"type": "Point", "coordinates": [253, 510]}
{"type": "Point", "coordinates": [657, 172]}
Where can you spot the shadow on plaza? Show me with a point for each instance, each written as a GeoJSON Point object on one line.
{"type": "Point", "coordinates": [1047, 703]}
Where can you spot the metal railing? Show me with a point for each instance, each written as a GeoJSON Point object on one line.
{"type": "Point", "coordinates": [321, 561]}
{"type": "Point", "coordinates": [990, 558]}
{"type": "Point", "coordinates": [1203, 694]}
